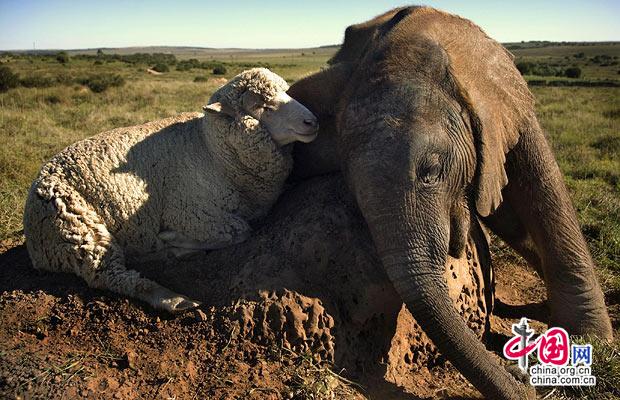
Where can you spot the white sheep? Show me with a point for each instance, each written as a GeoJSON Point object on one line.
{"type": "Point", "coordinates": [186, 183]}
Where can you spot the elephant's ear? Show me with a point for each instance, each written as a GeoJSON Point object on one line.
{"type": "Point", "coordinates": [357, 37]}
{"type": "Point", "coordinates": [496, 94]}
{"type": "Point", "coordinates": [494, 136]}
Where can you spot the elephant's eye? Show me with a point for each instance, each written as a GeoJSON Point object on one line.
{"type": "Point", "coordinates": [429, 171]}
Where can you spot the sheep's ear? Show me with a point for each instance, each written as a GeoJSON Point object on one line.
{"type": "Point", "coordinates": [251, 100]}
{"type": "Point", "coordinates": [219, 108]}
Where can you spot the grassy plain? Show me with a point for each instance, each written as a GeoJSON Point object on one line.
{"type": "Point", "coordinates": [596, 60]}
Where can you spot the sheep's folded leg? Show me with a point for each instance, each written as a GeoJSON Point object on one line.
{"type": "Point", "coordinates": [182, 246]}
{"type": "Point", "coordinates": [134, 285]}
{"type": "Point", "coordinates": [107, 271]}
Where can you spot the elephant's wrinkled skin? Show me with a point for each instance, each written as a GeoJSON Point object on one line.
{"type": "Point", "coordinates": [434, 127]}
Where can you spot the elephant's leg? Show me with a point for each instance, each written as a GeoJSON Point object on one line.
{"type": "Point", "coordinates": [538, 196]}
{"type": "Point", "coordinates": [505, 223]}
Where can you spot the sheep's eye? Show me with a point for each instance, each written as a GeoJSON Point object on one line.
{"type": "Point", "coordinates": [269, 107]}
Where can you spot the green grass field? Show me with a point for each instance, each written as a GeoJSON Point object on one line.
{"type": "Point", "coordinates": [583, 127]}
{"type": "Point", "coordinates": [35, 123]}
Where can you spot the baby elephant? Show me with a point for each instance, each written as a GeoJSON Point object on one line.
{"type": "Point", "coordinates": [185, 184]}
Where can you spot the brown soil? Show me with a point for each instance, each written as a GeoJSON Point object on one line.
{"type": "Point", "coordinates": [305, 293]}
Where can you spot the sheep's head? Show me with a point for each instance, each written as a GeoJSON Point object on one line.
{"type": "Point", "coordinates": [261, 94]}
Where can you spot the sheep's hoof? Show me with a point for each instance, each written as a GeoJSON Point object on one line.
{"type": "Point", "coordinates": [178, 304]}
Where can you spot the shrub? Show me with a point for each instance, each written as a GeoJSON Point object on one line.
{"type": "Point", "coordinates": [260, 64]}
{"type": "Point", "coordinates": [100, 83]}
{"type": "Point", "coordinates": [8, 79]}
{"type": "Point", "coordinates": [53, 99]}
{"type": "Point", "coordinates": [525, 67]}
{"type": "Point", "coordinates": [201, 79]}
{"type": "Point", "coordinates": [98, 62]}
{"type": "Point", "coordinates": [62, 57]}
{"type": "Point", "coordinates": [537, 82]}
{"type": "Point", "coordinates": [159, 67]}
{"type": "Point", "coordinates": [64, 79]}
{"type": "Point", "coordinates": [539, 69]}
{"type": "Point", "coordinates": [219, 70]}
{"type": "Point", "coordinates": [542, 69]}
{"type": "Point", "coordinates": [572, 72]}
{"type": "Point", "coordinates": [38, 81]}
{"type": "Point", "coordinates": [186, 65]}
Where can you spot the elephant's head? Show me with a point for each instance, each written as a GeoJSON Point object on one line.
{"type": "Point", "coordinates": [320, 93]}
{"type": "Point", "coordinates": [422, 129]}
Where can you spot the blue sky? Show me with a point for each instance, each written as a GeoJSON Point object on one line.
{"type": "Point", "coordinates": [278, 23]}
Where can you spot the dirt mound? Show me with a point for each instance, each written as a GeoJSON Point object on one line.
{"type": "Point", "coordinates": [313, 281]}
{"type": "Point", "coordinates": [306, 289]}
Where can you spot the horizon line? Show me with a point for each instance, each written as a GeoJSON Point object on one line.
{"type": "Point", "coordinates": [273, 48]}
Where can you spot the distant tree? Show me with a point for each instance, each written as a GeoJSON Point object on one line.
{"type": "Point", "coordinates": [8, 79]}
{"type": "Point", "coordinates": [100, 53]}
{"type": "Point", "coordinates": [219, 70]}
{"type": "Point", "coordinates": [573, 72]}
{"type": "Point", "coordinates": [62, 57]}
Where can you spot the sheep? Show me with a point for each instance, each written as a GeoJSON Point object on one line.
{"type": "Point", "coordinates": [184, 184]}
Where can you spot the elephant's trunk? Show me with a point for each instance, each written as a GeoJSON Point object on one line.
{"type": "Point", "coordinates": [414, 252]}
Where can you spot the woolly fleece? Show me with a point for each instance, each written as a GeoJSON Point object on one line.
{"type": "Point", "coordinates": [142, 189]}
